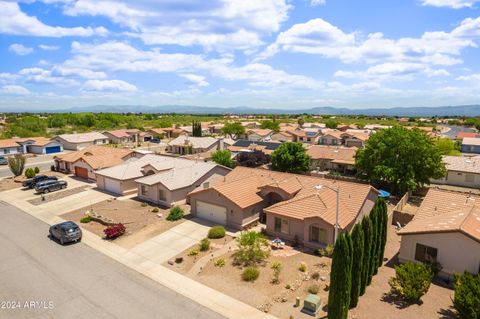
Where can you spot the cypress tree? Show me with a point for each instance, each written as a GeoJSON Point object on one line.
{"type": "Point", "coordinates": [338, 294]}
{"type": "Point", "coordinates": [196, 129]}
{"type": "Point", "coordinates": [373, 251]}
{"type": "Point", "coordinates": [357, 264]}
{"type": "Point", "coordinates": [384, 227]}
{"type": "Point", "coordinates": [367, 250]}
{"type": "Point", "coordinates": [379, 236]}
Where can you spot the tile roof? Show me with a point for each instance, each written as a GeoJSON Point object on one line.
{"type": "Point", "coordinates": [304, 133]}
{"type": "Point", "coordinates": [334, 133]}
{"type": "Point", "coordinates": [103, 161]}
{"type": "Point", "coordinates": [471, 141]}
{"type": "Point", "coordinates": [260, 132]}
{"type": "Point", "coordinates": [8, 143]}
{"type": "Point", "coordinates": [462, 135]}
{"type": "Point", "coordinates": [118, 133]}
{"type": "Point", "coordinates": [346, 154]}
{"type": "Point", "coordinates": [358, 135]}
{"type": "Point", "coordinates": [463, 164]}
{"type": "Point", "coordinates": [266, 147]}
{"type": "Point", "coordinates": [196, 142]}
{"type": "Point", "coordinates": [94, 151]}
{"type": "Point", "coordinates": [83, 137]}
{"type": "Point", "coordinates": [446, 211]}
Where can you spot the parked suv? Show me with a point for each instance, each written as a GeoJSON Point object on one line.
{"type": "Point", "coordinates": [3, 160]}
{"type": "Point", "coordinates": [66, 232]}
{"type": "Point", "coordinates": [50, 186]}
{"type": "Point", "coordinates": [31, 183]}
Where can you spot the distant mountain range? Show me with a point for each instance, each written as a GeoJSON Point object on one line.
{"type": "Point", "coordinates": [461, 110]}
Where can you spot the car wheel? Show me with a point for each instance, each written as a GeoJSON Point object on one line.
{"type": "Point", "coordinates": [62, 241]}
{"type": "Point", "coordinates": [64, 186]}
{"type": "Point", "coordinates": [46, 191]}
{"type": "Point", "coordinates": [50, 234]}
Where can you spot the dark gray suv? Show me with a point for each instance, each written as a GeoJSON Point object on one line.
{"type": "Point", "coordinates": [50, 186]}
{"type": "Point", "coordinates": [66, 232]}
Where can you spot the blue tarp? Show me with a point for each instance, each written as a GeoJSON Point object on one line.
{"type": "Point", "coordinates": [383, 193]}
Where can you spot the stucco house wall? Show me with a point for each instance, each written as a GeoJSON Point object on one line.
{"type": "Point", "coordinates": [10, 150]}
{"type": "Point", "coordinates": [81, 163]}
{"type": "Point", "coordinates": [452, 259]}
{"type": "Point", "coordinates": [460, 179]}
{"type": "Point", "coordinates": [329, 140]}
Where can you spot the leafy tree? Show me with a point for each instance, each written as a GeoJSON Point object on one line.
{"type": "Point", "coordinates": [367, 250]}
{"type": "Point", "coordinates": [357, 264]}
{"type": "Point", "coordinates": [86, 119]}
{"type": "Point", "coordinates": [223, 157]}
{"type": "Point", "coordinates": [290, 157]}
{"type": "Point", "coordinates": [300, 121]}
{"type": "Point", "coordinates": [271, 125]}
{"type": "Point", "coordinates": [404, 159]}
{"type": "Point", "coordinates": [56, 121]}
{"type": "Point", "coordinates": [447, 147]}
{"type": "Point", "coordinates": [233, 130]}
{"type": "Point", "coordinates": [412, 280]}
{"type": "Point", "coordinates": [16, 164]}
{"type": "Point", "coordinates": [331, 124]}
{"type": "Point", "coordinates": [252, 159]}
{"type": "Point", "coordinates": [253, 248]}
{"type": "Point", "coordinates": [340, 279]}
{"type": "Point", "coordinates": [467, 295]}
{"type": "Point", "coordinates": [196, 129]}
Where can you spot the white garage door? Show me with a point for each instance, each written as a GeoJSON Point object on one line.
{"type": "Point", "coordinates": [213, 213]}
{"type": "Point", "coordinates": [113, 186]}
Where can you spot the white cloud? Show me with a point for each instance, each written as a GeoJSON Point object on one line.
{"type": "Point", "coordinates": [314, 3]}
{"type": "Point", "coordinates": [20, 49]}
{"type": "Point", "coordinates": [43, 76]}
{"type": "Point", "coordinates": [471, 77]}
{"type": "Point", "coordinates": [48, 47]}
{"type": "Point", "coordinates": [455, 4]}
{"type": "Point", "coordinates": [109, 86]}
{"type": "Point", "coordinates": [14, 90]}
{"type": "Point", "coordinates": [15, 22]}
{"type": "Point", "coordinates": [197, 80]}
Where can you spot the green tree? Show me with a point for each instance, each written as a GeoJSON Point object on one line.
{"type": "Point", "coordinates": [16, 164]}
{"type": "Point", "coordinates": [331, 124]}
{"type": "Point", "coordinates": [374, 249]}
{"type": "Point", "coordinates": [447, 147]}
{"type": "Point", "coordinates": [383, 214]}
{"type": "Point", "coordinates": [357, 264]}
{"type": "Point", "coordinates": [271, 125]}
{"type": "Point", "coordinates": [233, 130]}
{"type": "Point", "coordinates": [340, 279]}
{"type": "Point", "coordinates": [223, 157]}
{"type": "Point", "coordinates": [467, 295]}
{"type": "Point", "coordinates": [367, 250]}
{"type": "Point", "coordinates": [300, 121]}
{"type": "Point", "coordinates": [412, 280]}
{"type": "Point", "coordinates": [253, 248]}
{"type": "Point", "coordinates": [290, 157]}
{"type": "Point", "coordinates": [196, 129]}
{"type": "Point", "coordinates": [404, 159]}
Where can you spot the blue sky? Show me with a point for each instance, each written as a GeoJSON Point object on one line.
{"type": "Point", "coordinates": [264, 54]}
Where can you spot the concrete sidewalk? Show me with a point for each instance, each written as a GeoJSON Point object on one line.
{"type": "Point", "coordinates": [146, 258]}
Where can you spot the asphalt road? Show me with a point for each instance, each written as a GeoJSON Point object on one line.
{"type": "Point", "coordinates": [43, 162]}
{"type": "Point", "coordinates": [75, 281]}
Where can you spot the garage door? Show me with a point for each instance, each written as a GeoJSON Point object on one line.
{"type": "Point", "coordinates": [113, 186]}
{"type": "Point", "coordinates": [81, 172]}
{"type": "Point", "coordinates": [213, 213]}
{"type": "Point", "coordinates": [53, 149]}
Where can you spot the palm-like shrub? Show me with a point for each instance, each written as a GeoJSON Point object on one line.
{"type": "Point", "coordinates": [253, 248]}
{"type": "Point", "coordinates": [412, 280]}
{"type": "Point", "coordinates": [16, 164]}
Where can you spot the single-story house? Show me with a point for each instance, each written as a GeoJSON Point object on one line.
{"type": "Point", "coordinates": [40, 145]}
{"type": "Point", "coordinates": [337, 158]}
{"type": "Point", "coordinates": [461, 135]}
{"type": "Point", "coordinates": [331, 137]}
{"type": "Point", "coordinates": [471, 145]}
{"type": "Point", "coordinates": [249, 146]}
{"type": "Point", "coordinates": [185, 145]}
{"type": "Point", "coordinates": [445, 229]}
{"type": "Point", "coordinates": [314, 125]}
{"type": "Point", "coordinates": [295, 207]}
{"type": "Point", "coordinates": [259, 134]}
{"type": "Point", "coordinates": [355, 139]}
{"type": "Point", "coordinates": [288, 126]}
{"type": "Point", "coordinates": [125, 136]}
{"type": "Point", "coordinates": [167, 132]}
{"type": "Point", "coordinates": [306, 136]}
{"type": "Point", "coordinates": [282, 136]}
{"type": "Point", "coordinates": [216, 128]}
{"type": "Point", "coordinates": [189, 129]}
{"type": "Point", "coordinates": [80, 141]}
{"type": "Point", "coordinates": [250, 125]}
{"type": "Point", "coordinates": [461, 171]}
{"type": "Point", "coordinates": [159, 179]}
{"type": "Point", "coordinates": [85, 162]}
{"type": "Point", "coordinates": [10, 147]}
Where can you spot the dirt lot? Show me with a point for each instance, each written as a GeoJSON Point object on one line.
{"type": "Point", "coordinates": [11, 182]}
{"type": "Point", "coordinates": [141, 222]}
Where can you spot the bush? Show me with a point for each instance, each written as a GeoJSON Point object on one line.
{"type": "Point", "coordinates": [176, 213]}
{"type": "Point", "coordinates": [204, 244]}
{"type": "Point", "coordinates": [29, 173]}
{"type": "Point", "coordinates": [277, 269]}
{"type": "Point", "coordinates": [86, 220]}
{"type": "Point", "coordinates": [315, 275]}
{"type": "Point", "coordinates": [114, 231]}
{"type": "Point", "coordinates": [220, 262]}
{"type": "Point", "coordinates": [412, 280]}
{"type": "Point", "coordinates": [253, 248]}
{"type": "Point", "coordinates": [36, 170]}
{"type": "Point", "coordinates": [17, 164]}
{"type": "Point", "coordinates": [155, 210]}
{"type": "Point", "coordinates": [467, 295]}
{"type": "Point", "coordinates": [287, 286]}
{"type": "Point", "coordinates": [52, 168]}
{"type": "Point", "coordinates": [250, 274]}
{"type": "Point", "coordinates": [302, 267]}
{"type": "Point", "coordinates": [326, 252]}
{"type": "Point", "coordinates": [143, 204]}
{"type": "Point", "coordinates": [314, 289]}
{"type": "Point", "coordinates": [216, 232]}
{"type": "Point", "coordinates": [193, 252]}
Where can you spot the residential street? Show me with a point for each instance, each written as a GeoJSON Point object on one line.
{"type": "Point", "coordinates": [80, 282]}
{"type": "Point", "coordinates": [43, 162]}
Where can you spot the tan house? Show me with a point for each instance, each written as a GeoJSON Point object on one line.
{"type": "Point", "coordinates": [80, 141]}
{"type": "Point", "coordinates": [294, 206]}
{"type": "Point", "coordinates": [168, 132]}
{"type": "Point", "coordinates": [337, 158]}
{"type": "Point", "coordinates": [259, 135]}
{"type": "Point", "coordinates": [125, 136]}
{"type": "Point", "coordinates": [282, 136]}
{"type": "Point", "coordinates": [461, 171]}
{"type": "Point", "coordinates": [306, 136]}
{"type": "Point", "coordinates": [355, 139]}
{"type": "Point", "coordinates": [445, 229]}
{"type": "Point", "coordinates": [331, 137]}
{"type": "Point", "coordinates": [185, 145]}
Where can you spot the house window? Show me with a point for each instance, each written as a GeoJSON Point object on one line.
{"type": "Point", "coordinates": [162, 195]}
{"type": "Point", "coordinates": [469, 178]}
{"type": "Point", "coordinates": [425, 253]}
{"type": "Point", "coordinates": [318, 235]}
{"type": "Point", "coordinates": [281, 225]}
{"type": "Point", "coordinates": [324, 141]}
{"type": "Point", "coordinates": [334, 142]}
{"type": "Point", "coordinates": [144, 190]}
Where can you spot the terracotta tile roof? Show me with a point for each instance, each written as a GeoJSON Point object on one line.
{"type": "Point", "coordinates": [463, 164]}
{"type": "Point", "coordinates": [334, 133]}
{"type": "Point", "coordinates": [118, 133]}
{"type": "Point", "coordinates": [103, 161]}
{"type": "Point", "coordinates": [347, 154]}
{"type": "Point", "coordinates": [195, 142]}
{"type": "Point", "coordinates": [358, 135]}
{"type": "Point", "coordinates": [93, 151]}
{"type": "Point", "coordinates": [8, 143]}
{"type": "Point", "coordinates": [83, 137]}
{"type": "Point", "coordinates": [304, 133]}
{"type": "Point", "coordinates": [447, 211]}
{"type": "Point", "coordinates": [158, 130]}
{"type": "Point", "coordinates": [41, 141]}
{"type": "Point", "coordinates": [261, 132]}
{"type": "Point", "coordinates": [462, 135]}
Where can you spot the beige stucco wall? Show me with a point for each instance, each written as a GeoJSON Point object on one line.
{"type": "Point", "coordinates": [81, 163]}
{"type": "Point", "coordinates": [350, 142]}
{"type": "Point", "coordinates": [328, 140]}
{"type": "Point", "coordinates": [126, 186]}
{"type": "Point", "coordinates": [459, 179]}
{"type": "Point", "coordinates": [281, 138]}
{"type": "Point", "coordinates": [456, 252]}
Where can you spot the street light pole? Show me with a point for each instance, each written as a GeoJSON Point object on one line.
{"type": "Point", "coordinates": [337, 191]}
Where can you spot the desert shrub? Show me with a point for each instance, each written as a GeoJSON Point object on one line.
{"type": "Point", "coordinates": [86, 220]}
{"type": "Point", "coordinates": [326, 252]}
{"type": "Point", "coordinates": [29, 173]}
{"type": "Point", "coordinates": [314, 289]}
{"type": "Point", "coordinates": [114, 231]}
{"type": "Point", "coordinates": [250, 274]}
{"type": "Point", "coordinates": [277, 269]}
{"type": "Point", "coordinates": [155, 210]}
{"type": "Point", "coordinates": [302, 266]}
{"type": "Point", "coordinates": [36, 170]}
{"type": "Point", "coordinates": [315, 275]}
{"type": "Point", "coordinates": [287, 286]}
{"type": "Point", "coordinates": [17, 164]}
{"type": "Point", "coordinates": [467, 295]}
{"type": "Point", "coordinates": [204, 244]}
{"type": "Point", "coordinates": [412, 280]}
{"type": "Point", "coordinates": [193, 252]}
{"type": "Point", "coordinates": [175, 213]}
{"type": "Point", "coordinates": [216, 232]}
{"type": "Point", "coordinates": [253, 248]}
{"type": "Point", "coordinates": [220, 262]}
{"type": "Point", "coordinates": [143, 204]}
